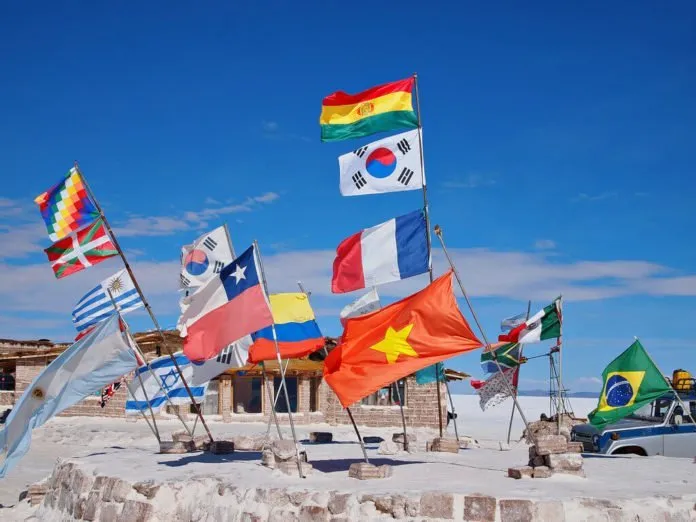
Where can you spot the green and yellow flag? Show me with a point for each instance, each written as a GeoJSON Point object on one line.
{"type": "Point", "coordinates": [630, 381]}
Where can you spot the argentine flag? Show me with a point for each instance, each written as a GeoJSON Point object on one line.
{"type": "Point", "coordinates": [96, 305]}
{"type": "Point", "coordinates": [98, 359]}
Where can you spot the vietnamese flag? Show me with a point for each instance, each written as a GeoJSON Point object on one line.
{"type": "Point", "coordinates": [386, 345]}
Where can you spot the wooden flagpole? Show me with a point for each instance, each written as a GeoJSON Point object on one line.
{"type": "Point", "coordinates": [144, 299]}
{"type": "Point", "coordinates": [357, 432]}
{"type": "Point", "coordinates": [280, 365]}
{"type": "Point", "coordinates": [428, 237]}
{"type": "Point", "coordinates": [438, 233]}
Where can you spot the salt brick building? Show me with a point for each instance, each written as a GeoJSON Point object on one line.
{"type": "Point", "coordinates": [240, 395]}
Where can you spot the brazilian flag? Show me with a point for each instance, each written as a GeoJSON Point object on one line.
{"type": "Point", "coordinates": [630, 381]}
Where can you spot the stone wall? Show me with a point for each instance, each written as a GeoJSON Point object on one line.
{"type": "Point", "coordinates": [420, 408]}
{"type": "Point", "coordinates": [420, 404]}
{"type": "Point", "coordinates": [7, 398]}
{"type": "Point", "coordinates": [72, 493]}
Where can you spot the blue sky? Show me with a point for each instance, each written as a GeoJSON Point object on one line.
{"type": "Point", "coordinates": [558, 139]}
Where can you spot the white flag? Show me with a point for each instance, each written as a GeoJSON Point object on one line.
{"type": "Point", "coordinates": [361, 306]}
{"type": "Point", "coordinates": [389, 165]}
{"type": "Point", "coordinates": [204, 258]}
{"type": "Point", "coordinates": [494, 391]}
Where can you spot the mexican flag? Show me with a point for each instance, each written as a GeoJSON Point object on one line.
{"type": "Point", "coordinates": [80, 250]}
{"type": "Point", "coordinates": [545, 324]}
{"type": "Point", "coordinates": [630, 381]}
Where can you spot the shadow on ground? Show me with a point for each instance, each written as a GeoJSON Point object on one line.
{"type": "Point", "coordinates": [336, 465]}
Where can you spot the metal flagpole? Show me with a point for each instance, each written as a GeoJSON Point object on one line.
{"type": "Point", "coordinates": [454, 413]}
{"type": "Point", "coordinates": [154, 431]}
{"type": "Point", "coordinates": [144, 299]}
{"type": "Point", "coordinates": [560, 409]}
{"type": "Point", "coordinates": [438, 233]}
{"type": "Point", "coordinates": [137, 349]}
{"type": "Point", "coordinates": [427, 226]}
{"type": "Point", "coordinates": [140, 377]}
{"type": "Point", "coordinates": [280, 366]}
{"type": "Point", "coordinates": [676, 394]}
{"type": "Point", "coordinates": [270, 396]}
{"type": "Point", "coordinates": [357, 432]}
{"type": "Point", "coordinates": [401, 408]}
{"type": "Point", "coordinates": [275, 402]}
{"type": "Point", "coordinates": [512, 411]}
{"type": "Point", "coordinates": [229, 240]}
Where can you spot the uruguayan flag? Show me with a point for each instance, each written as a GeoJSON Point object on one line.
{"type": "Point", "coordinates": [96, 306]}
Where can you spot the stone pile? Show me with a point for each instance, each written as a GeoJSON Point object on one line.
{"type": "Point", "coordinates": [281, 455]}
{"type": "Point", "coordinates": [550, 455]}
{"type": "Point", "coordinates": [443, 445]}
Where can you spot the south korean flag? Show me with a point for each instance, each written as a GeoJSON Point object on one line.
{"type": "Point", "coordinates": [389, 165]}
{"type": "Point", "coordinates": [204, 258]}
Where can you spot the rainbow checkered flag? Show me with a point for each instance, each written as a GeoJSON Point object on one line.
{"type": "Point", "coordinates": [66, 207]}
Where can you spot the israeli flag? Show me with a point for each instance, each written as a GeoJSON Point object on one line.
{"type": "Point", "coordinates": [96, 305]}
{"type": "Point", "coordinates": [162, 383]}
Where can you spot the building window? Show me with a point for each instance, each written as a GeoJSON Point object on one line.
{"type": "Point", "coordinates": [387, 396]}
{"type": "Point", "coordinates": [7, 381]}
{"type": "Point", "coordinates": [282, 405]}
{"type": "Point", "coordinates": [247, 394]}
{"type": "Point", "coordinates": [314, 393]}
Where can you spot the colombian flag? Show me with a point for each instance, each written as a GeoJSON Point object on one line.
{"type": "Point", "coordinates": [382, 108]}
{"type": "Point", "coordinates": [297, 331]}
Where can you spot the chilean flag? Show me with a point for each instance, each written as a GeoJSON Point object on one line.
{"type": "Point", "coordinates": [231, 305]}
{"type": "Point", "coordinates": [390, 251]}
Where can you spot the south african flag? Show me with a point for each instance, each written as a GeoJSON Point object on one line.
{"type": "Point", "coordinates": [80, 250]}
{"type": "Point", "coordinates": [508, 356]}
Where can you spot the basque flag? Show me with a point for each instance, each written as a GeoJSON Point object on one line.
{"type": "Point", "coordinates": [390, 251]}
{"type": "Point", "coordinates": [231, 305]}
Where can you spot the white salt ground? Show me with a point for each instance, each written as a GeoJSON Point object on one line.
{"type": "Point", "coordinates": [128, 450]}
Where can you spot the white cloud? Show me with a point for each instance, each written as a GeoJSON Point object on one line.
{"type": "Point", "coordinates": [470, 181]}
{"type": "Point", "coordinates": [151, 226]}
{"type": "Point", "coordinates": [269, 126]}
{"type": "Point", "coordinates": [594, 197]}
{"type": "Point", "coordinates": [268, 197]}
{"type": "Point", "coordinates": [544, 244]}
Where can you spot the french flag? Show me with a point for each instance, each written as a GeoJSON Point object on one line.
{"type": "Point", "coordinates": [231, 305]}
{"type": "Point", "coordinates": [390, 251]}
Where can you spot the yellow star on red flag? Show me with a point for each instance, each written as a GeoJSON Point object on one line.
{"type": "Point", "coordinates": [395, 343]}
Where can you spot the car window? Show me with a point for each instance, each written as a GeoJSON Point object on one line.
{"type": "Point", "coordinates": [685, 418]}
{"type": "Point", "coordinates": [655, 411]}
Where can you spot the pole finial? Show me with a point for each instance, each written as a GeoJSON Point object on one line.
{"type": "Point", "coordinates": [438, 230]}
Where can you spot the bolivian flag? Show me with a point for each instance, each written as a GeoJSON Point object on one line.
{"type": "Point", "coordinates": [381, 347]}
{"type": "Point", "coordinates": [382, 108]}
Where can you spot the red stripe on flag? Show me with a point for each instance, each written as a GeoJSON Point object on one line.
{"type": "Point", "coordinates": [264, 349]}
{"type": "Point", "coordinates": [246, 313]}
{"type": "Point", "coordinates": [348, 272]}
{"type": "Point", "coordinates": [343, 98]}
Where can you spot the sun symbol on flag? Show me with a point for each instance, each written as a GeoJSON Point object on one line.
{"type": "Point", "coordinates": [116, 285]}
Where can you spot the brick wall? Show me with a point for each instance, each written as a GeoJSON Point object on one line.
{"type": "Point", "coordinates": [420, 408]}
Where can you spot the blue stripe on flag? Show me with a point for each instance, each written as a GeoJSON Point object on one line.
{"type": "Point", "coordinates": [290, 332]}
{"type": "Point", "coordinates": [411, 244]}
{"type": "Point", "coordinates": [84, 317]}
{"type": "Point", "coordinates": [198, 392]}
{"type": "Point", "coordinates": [165, 362]}
{"type": "Point", "coordinates": [91, 297]}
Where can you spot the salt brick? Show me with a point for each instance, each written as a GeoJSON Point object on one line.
{"type": "Point", "coordinates": [550, 444]}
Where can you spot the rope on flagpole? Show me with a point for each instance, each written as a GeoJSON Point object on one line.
{"type": "Point", "coordinates": [438, 233]}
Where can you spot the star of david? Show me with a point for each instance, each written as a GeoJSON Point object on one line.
{"type": "Point", "coordinates": [169, 380]}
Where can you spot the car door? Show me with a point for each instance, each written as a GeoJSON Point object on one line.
{"type": "Point", "coordinates": [680, 438]}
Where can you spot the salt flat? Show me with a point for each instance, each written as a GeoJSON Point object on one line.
{"type": "Point", "coordinates": [128, 450]}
